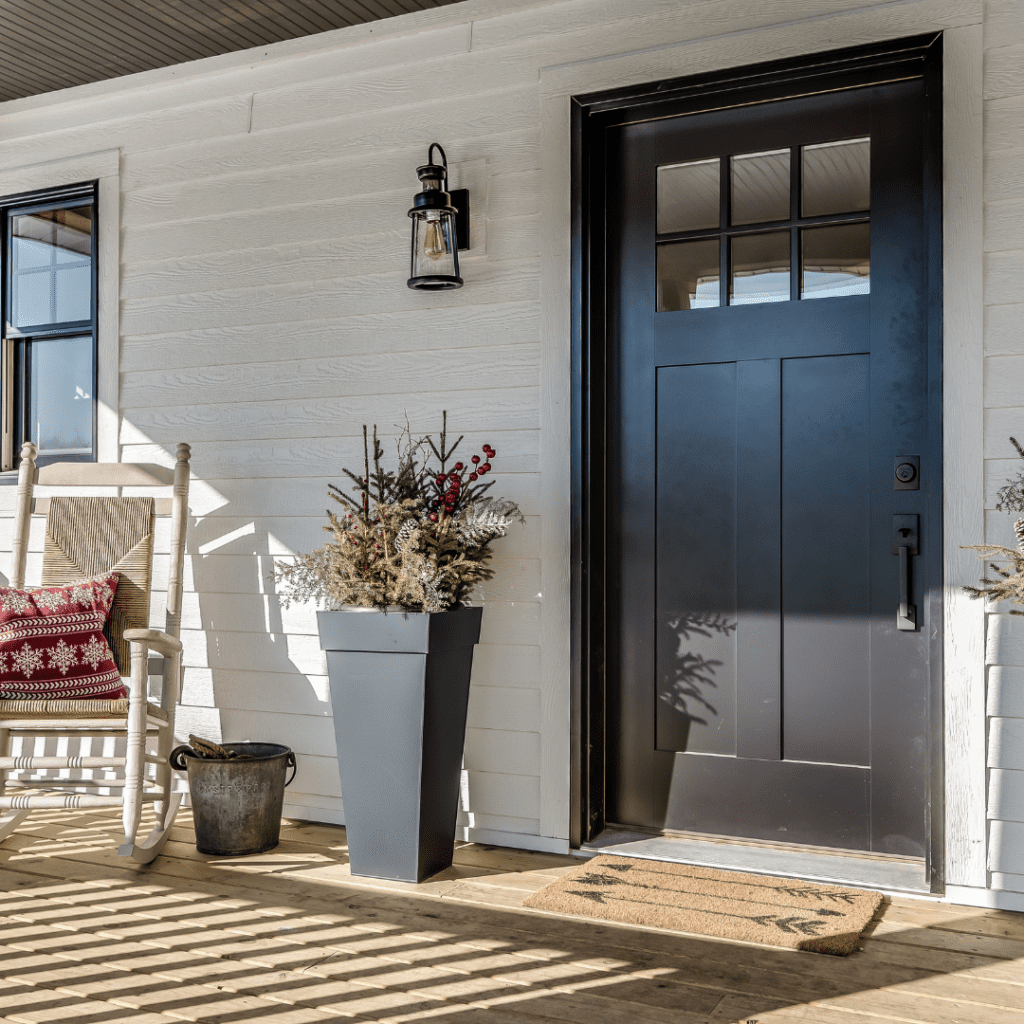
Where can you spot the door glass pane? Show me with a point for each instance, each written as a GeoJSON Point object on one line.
{"type": "Point", "coordinates": [60, 395]}
{"type": "Point", "coordinates": [759, 270]}
{"type": "Point", "coordinates": [51, 266]}
{"type": "Point", "coordinates": [760, 187]}
{"type": "Point", "coordinates": [837, 177]}
{"type": "Point", "coordinates": [688, 275]}
{"type": "Point", "coordinates": [688, 196]}
{"type": "Point", "coordinates": [835, 260]}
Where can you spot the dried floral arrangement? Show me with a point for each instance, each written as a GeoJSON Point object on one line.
{"type": "Point", "coordinates": [1010, 583]}
{"type": "Point", "coordinates": [417, 537]}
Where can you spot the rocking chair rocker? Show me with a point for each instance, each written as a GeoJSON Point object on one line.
{"type": "Point", "coordinates": [85, 537]}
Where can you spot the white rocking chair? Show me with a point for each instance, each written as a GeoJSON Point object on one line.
{"type": "Point", "coordinates": [88, 536]}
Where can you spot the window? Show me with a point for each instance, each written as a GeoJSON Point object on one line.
{"type": "Point", "coordinates": [49, 324]}
{"type": "Point", "coordinates": [732, 230]}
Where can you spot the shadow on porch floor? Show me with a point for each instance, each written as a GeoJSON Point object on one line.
{"type": "Point", "coordinates": [290, 937]}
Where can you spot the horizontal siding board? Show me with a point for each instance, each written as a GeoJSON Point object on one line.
{"type": "Point", "coordinates": [1003, 23]}
{"type": "Point", "coordinates": [494, 829]}
{"type": "Point", "coordinates": [413, 330]}
{"type": "Point", "coordinates": [1006, 743]}
{"type": "Point", "coordinates": [1004, 377]}
{"type": "Point", "coordinates": [1006, 847]}
{"type": "Point", "coordinates": [511, 280]}
{"type": "Point", "coordinates": [275, 693]}
{"type": "Point", "coordinates": [504, 707]}
{"type": "Point", "coordinates": [477, 410]}
{"type": "Point", "coordinates": [1003, 277]}
{"type": "Point", "coordinates": [1000, 425]}
{"type": "Point", "coordinates": [1005, 640]}
{"type": "Point", "coordinates": [1006, 692]}
{"type": "Point", "coordinates": [384, 373]}
{"type": "Point", "coordinates": [1004, 123]}
{"type": "Point", "coordinates": [506, 665]}
{"type": "Point", "coordinates": [499, 750]}
{"type": "Point", "coordinates": [1006, 795]}
{"type": "Point", "coordinates": [1004, 71]}
{"type": "Point", "coordinates": [1004, 175]}
{"type": "Point", "coordinates": [1002, 330]}
{"type": "Point", "coordinates": [1004, 223]}
{"type": "Point", "coordinates": [516, 796]}
{"type": "Point", "coordinates": [1006, 882]}
{"type": "Point", "coordinates": [997, 473]}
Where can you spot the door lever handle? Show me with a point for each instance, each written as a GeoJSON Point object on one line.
{"type": "Point", "coordinates": [905, 544]}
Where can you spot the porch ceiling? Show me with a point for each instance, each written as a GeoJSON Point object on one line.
{"type": "Point", "coordinates": [54, 44]}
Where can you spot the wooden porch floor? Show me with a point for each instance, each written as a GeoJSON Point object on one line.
{"type": "Point", "coordinates": [290, 937]}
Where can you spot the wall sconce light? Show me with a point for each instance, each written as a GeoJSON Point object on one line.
{"type": "Point", "coordinates": [440, 227]}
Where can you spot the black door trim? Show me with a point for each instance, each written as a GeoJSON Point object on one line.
{"type": "Point", "coordinates": [592, 114]}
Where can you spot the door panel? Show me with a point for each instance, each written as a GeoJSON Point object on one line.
{"type": "Point", "coordinates": [825, 558]}
{"type": "Point", "coordinates": [758, 685]}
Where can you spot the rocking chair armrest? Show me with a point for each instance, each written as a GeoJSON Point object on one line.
{"type": "Point", "coordinates": [154, 639]}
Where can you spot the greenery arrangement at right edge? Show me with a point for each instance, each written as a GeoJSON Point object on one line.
{"type": "Point", "coordinates": [1009, 584]}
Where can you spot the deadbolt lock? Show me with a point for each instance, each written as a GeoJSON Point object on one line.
{"type": "Point", "coordinates": [906, 473]}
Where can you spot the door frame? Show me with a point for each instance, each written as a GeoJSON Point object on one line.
{"type": "Point", "coordinates": [590, 114]}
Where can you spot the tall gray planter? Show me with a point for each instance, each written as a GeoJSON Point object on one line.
{"type": "Point", "coordinates": [399, 692]}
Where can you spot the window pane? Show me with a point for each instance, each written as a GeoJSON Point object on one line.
{"type": "Point", "coordinates": [760, 187]}
{"type": "Point", "coordinates": [835, 261]}
{"type": "Point", "coordinates": [760, 268]}
{"type": "Point", "coordinates": [837, 177]}
{"type": "Point", "coordinates": [688, 196]}
{"type": "Point", "coordinates": [60, 395]}
{"type": "Point", "coordinates": [688, 275]}
{"type": "Point", "coordinates": [51, 266]}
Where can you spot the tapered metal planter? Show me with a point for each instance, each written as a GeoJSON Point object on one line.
{"type": "Point", "coordinates": [399, 692]}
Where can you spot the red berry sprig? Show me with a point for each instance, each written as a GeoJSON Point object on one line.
{"type": "Point", "coordinates": [451, 484]}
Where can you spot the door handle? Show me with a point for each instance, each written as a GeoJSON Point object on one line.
{"type": "Point", "coordinates": [905, 542]}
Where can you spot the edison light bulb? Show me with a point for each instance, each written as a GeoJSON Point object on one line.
{"type": "Point", "coordinates": [435, 244]}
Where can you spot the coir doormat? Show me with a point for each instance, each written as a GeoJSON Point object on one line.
{"type": "Point", "coordinates": [756, 908]}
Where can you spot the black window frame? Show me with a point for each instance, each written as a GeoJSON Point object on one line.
{"type": "Point", "coordinates": [16, 344]}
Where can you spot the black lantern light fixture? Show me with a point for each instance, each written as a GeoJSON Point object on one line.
{"type": "Point", "coordinates": [440, 227]}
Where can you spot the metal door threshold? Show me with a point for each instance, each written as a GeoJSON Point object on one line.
{"type": "Point", "coordinates": [891, 874]}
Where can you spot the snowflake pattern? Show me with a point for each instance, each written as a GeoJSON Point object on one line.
{"type": "Point", "coordinates": [27, 660]}
{"type": "Point", "coordinates": [83, 594]}
{"type": "Point", "coordinates": [15, 601]}
{"type": "Point", "coordinates": [50, 600]}
{"type": "Point", "coordinates": [63, 656]}
{"type": "Point", "coordinates": [94, 652]}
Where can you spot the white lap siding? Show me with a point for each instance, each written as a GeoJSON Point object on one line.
{"type": "Point", "coordinates": [264, 318]}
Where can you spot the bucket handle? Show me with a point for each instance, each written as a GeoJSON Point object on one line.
{"type": "Point", "coordinates": [177, 757]}
{"type": "Point", "coordinates": [179, 764]}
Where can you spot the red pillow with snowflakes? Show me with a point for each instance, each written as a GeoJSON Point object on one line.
{"type": "Point", "coordinates": [52, 643]}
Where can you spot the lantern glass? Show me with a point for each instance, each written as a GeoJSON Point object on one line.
{"type": "Point", "coordinates": [434, 245]}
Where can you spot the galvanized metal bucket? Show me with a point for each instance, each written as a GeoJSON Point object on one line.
{"type": "Point", "coordinates": [237, 803]}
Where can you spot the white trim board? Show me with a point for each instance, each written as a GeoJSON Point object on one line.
{"type": "Point", "coordinates": [961, 22]}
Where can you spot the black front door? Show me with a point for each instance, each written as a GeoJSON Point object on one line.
{"type": "Point", "coordinates": [772, 443]}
